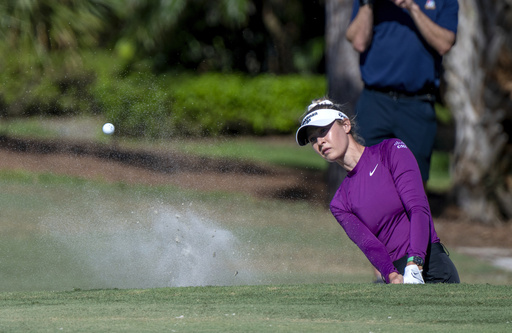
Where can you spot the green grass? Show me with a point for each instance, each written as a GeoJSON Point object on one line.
{"type": "Point", "coordinates": [281, 151]}
{"type": "Point", "coordinates": [82, 128]}
{"type": "Point", "coordinates": [278, 308]}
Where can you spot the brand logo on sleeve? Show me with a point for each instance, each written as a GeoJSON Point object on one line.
{"type": "Point", "coordinates": [400, 144]}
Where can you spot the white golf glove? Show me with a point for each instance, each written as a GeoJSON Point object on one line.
{"type": "Point", "coordinates": [412, 275]}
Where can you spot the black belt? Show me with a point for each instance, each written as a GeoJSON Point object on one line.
{"type": "Point", "coordinates": [427, 95]}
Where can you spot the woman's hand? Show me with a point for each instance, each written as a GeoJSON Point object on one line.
{"type": "Point", "coordinates": [395, 278]}
{"type": "Point", "coordinates": [412, 274]}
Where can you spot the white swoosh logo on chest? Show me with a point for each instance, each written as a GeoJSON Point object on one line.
{"type": "Point", "coordinates": [371, 172]}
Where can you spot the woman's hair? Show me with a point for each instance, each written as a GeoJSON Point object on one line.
{"type": "Point", "coordinates": [326, 103]}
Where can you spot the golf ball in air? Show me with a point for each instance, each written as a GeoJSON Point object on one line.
{"type": "Point", "coordinates": [108, 128]}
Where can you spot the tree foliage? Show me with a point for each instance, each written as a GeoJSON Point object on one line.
{"type": "Point", "coordinates": [38, 27]}
{"type": "Point", "coordinates": [47, 45]}
{"type": "Point", "coordinates": [225, 35]}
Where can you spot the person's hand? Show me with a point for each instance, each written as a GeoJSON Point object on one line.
{"type": "Point", "coordinates": [395, 278]}
{"type": "Point", "coordinates": [412, 275]}
{"type": "Point", "coordinates": [406, 4]}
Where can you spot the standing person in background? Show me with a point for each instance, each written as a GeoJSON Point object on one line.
{"type": "Point", "coordinates": [401, 44]}
{"type": "Point", "coordinates": [381, 204]}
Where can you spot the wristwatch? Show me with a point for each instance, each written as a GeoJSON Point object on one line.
{"type": "Point", "coordinates": [366, 2]}
{"type": "Point", "coordinates": [417, 260]}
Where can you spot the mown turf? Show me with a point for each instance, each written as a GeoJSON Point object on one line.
{"type": "Point", "coordinates": [280, 308]}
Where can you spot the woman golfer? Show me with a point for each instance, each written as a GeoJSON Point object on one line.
{"type": "Point", "coordinates": [381, 204]}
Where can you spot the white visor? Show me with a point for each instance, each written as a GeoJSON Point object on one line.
{"type": "Point", "coordinates": [318, 118]}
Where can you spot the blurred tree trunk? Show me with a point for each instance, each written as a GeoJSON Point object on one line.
{"type": "Point", "coordinates": [477, 80]}
{"type": "Point", "coordinates": [343, 77]}
{"type": "Point", "coordinates": [281, 41]}
{"type": "Point", "coordinates": [283, 37]}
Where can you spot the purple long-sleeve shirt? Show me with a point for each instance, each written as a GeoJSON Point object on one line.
{"type": "Point", "coordinates": [383, 208]}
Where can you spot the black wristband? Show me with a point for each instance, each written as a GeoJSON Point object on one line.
{"type": "Point", "coordinates": [417, 260]}
{"type": "Point", "coordinates": [365, 2]}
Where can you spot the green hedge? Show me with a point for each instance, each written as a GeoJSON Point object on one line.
{"type": "Point", "coordinates": [141, 103]}
{"type": "Point", "coordinates": [216, 103]}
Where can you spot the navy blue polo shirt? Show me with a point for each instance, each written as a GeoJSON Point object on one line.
{"type": "Point", "coordinates": [398, 57]}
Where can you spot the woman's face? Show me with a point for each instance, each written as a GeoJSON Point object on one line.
{"type": "Point", "coordinates": [330, 141]}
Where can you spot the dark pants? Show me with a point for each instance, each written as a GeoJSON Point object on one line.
{"type": "Point", "coordinates": [438, 268]}
{"type": "Point", "coordinates": [381, 115]}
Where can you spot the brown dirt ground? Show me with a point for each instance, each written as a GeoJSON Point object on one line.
{"type": "Point", "coordinates": [112, 164]}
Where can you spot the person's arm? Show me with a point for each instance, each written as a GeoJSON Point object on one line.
{"type": "Point", "coordinates": [372, 247]}
{"type": "Point", "coordinates": [360, 31]}
{"type": "Point", "coordinates": [439, 38]}
{"type": "Point", "coordinates": [406, 175]}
